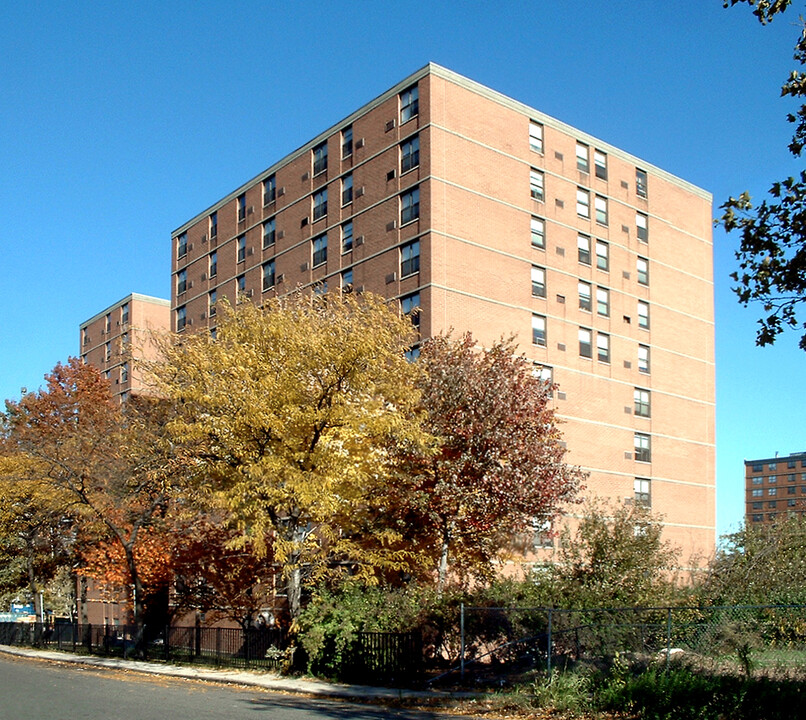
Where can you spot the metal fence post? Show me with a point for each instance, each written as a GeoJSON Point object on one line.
{"type": "Point", "coordinates": [548, 649]}
{"type": "Point", "coordinates": [462, 641]}
{"type": "Point", "coordinates": [668, 636]}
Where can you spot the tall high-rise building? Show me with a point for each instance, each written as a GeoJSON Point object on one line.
{"type": "Point", "coordinates": [492, 217]}
{"type": "Point", "coordinates": [118, 337]}
{"type": "Point", "coordinates": [775, 488]}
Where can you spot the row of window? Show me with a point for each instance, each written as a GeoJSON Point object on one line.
{"type": "Point", "coordinates": [583, 159]}
{"type": "Point", "coordinates": [772, 479]}
{"type": "Point", "coordinates": [791, 502]}
{"type": "Point", "coordinates": [790, 463]}
{"type": "Point", "coordinates": [791, 490]}
{"type": "Point", "coordinates": [759, 517]}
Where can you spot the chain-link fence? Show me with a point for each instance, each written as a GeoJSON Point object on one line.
{"type": "Point", "coordinates": [498, 641]}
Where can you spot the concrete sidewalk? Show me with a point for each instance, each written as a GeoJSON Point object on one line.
{"type": "Point", "coordinates": [266, 680]}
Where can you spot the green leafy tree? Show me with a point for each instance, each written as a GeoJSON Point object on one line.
{"type": "Point", "coordinates": [499, 465]}
{"type": "Point", "coordinates": [772, 251]}
{"type": "Point", "coordinates": [289, 413]}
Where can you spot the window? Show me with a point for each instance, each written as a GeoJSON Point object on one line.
{"type": "Point", "coordinates": [269, 276]}
{"type": "Point", "coordinates": [319, 158]}
{"type": "Point", "coordinates": [269, 189]}
{"type": "Point", "coordinates": [539, 330]}
{"type": "Point", "coordinates": [790, 477]}
{"type": "Point", "coordinates": [347, 237]}
{"type": "Point", "coordinates": [642, 268]}
{"type": "Point", "coordinates": [538, 232]}
{"type": "Point", "coordinates": [603, 347]}
{"type": "Point", "coordinates": [269, 233]}
{"type": "Point", "coordinates": [643, 358]}
{"type": "Point", "coordinates": [773, 466]}
{"type": "Point", "coordinates": [584, 249]}
{"type": "Point", "coordinates": [241, 248]}
{"type": "Point", "coordinates": [791, 490]}
{"type": "Point", "coordinates": [347, 189]}
{"type": "Point", "coordinates": [124, 314]}
{"type": "Point", "coordinates": [643, 452]}
{"type": "Point", "coordinates": [583, 161]}
{"type": "Point", "coordinates": [319, 250]}
{"type": "Point", "coordinates": [641, 492]}
{"type": "Point", "coordinates": [241, 282]}
{"type": "Point", "coordinates": [640, 183]}
{"type": "Point", "coordinates": [584, 290]}
{"type": "Point", "coordinates": [602, 255]}
{"type": "Point", "coordinates": [772, 479]}
{"type": "Point", "coordinates": [600, 204]}
{"type": "Point", "coordinates": [181, 281]}
{"type": "Point", "coordinates": [583, 204]}
{"type": "Point", "coordinates": [758, 480]}
{"type": "Point", "coordinates": [124, 372]}
{"type": "Point", "coordinates": [241, 207]}
{"type": "Point", "coordinates": [410, 258]}
{"type": "Point", "coordinates": [410, 206]}
{"type": "Point", "coordinates": [538, 281]}
{"type": "Point", "coordinates": [642, 227]}
{"type": "Point", "coordinates": [536, 182]}
{"type": "Point", "coordinates": [585, 347]}
{"type": "Point", "coordinates": [412, 353]}
{"type": "Point", "coordinates": [182, 245]}
{"type": "Point", "coordinates": [319, 204]}
{"type": "Point", "coordinates": [108, 351]}
{"type": "Point", "coordinates": [213, 225]}
{"type": "Point", "coordinates": [409, 104]}
{"type": "Point", "coordinates": [181, 318]}
{"type": "Point", "coordinates": [410, 154]}
{"type": "Point", "coordinates": [643, 315]}
{"type": "Point", "coordinates": [790, 464]}
{"type": "Point", "coordinates": [320, 288]}
{"type": "Point", "coordinates": [213, 264]}
{"type": "Point", "coordinates": [758, 467]}
{"type": "Point", "coordinates": [603, 301]}
{"type": "Point", "coordinates": [757, 492]}
{"type": "Point", "coordinates": [212, 297]}
{"type": "Point", "coordinates": [758, 505]}
{"type": "Point", "coordinates": [543, 372]}
{"type": "Point", "coordinates": [772, 491]}
{"type": "Point", "coordinates": [347, 142]}
{"type": "Point", "coordinates": [535, 136]}
{"type": "Point", "coordinates": [410, 305]}
{"type": "Point", "coordinates": [347, 281]}
{"type": "Point", "coordinates": [757, 518]}
{"type": "Point", "coordinates": [600, 164]}
{"type": "Point", "coordinates": [641, 398]}
{"type": "Point", "coordinates": [86, 337]}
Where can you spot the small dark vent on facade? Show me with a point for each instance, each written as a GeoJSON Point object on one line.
{"type": "Point", "coordinates": [559, 203]}
{"type": "Point", "coordinates": [390, 175]}
{"type": "Point", "coordinates": [561, 347]}
{"type": "Point", "coordinates": [561, 251]}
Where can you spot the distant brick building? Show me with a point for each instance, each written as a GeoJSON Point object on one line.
{"type": "Point", "coordinates": [495, 218]}
{"type": "Point", "coordinates": [116, 338]}
{"type": "Point", "coordinates": [775, 488]}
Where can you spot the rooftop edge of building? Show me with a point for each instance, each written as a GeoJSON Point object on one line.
{"type": "Point", "coordinates": [130, 297]}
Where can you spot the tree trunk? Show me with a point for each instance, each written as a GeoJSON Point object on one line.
{"type": "Point", "coordinates": [32, 585]}
{"type": "Point", "coordinates": [294, 591]}
{"type": "Point", "coordinates": [443, 558]}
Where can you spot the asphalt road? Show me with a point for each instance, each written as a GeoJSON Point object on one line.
{"type": "Point", "coordinates": [42, 690]}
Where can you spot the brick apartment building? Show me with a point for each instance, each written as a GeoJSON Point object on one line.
{"type": "Point", "coordinates": [775, 488]}
{"type": "Point", "coordinates": [115, 338]}
{"type": "Point", "coordinates": [495, 218]}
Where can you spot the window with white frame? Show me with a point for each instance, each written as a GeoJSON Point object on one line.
{"type": "Point", "coordinates": [182, 245]}
{"type": "Point", "coordinates": [241, 245]}
{"type": "Point", "coordinates": [410, 258]}
{"type": "Point", "coordinates": [538, 227]}
{"type": "Point", "coordinates": [584, 249]}
{"type": "Point", "coordinates": [601, 209]}
{"type": "Point", "coordinates": [536, 184]}
{"type": "Point", "coordinates": [643, 448]}
{"type": "Point", "coordinates": [241, 205]}
{"type": "Point", "coordinates": [347, 142]}
{"type": "Point", "coordinates": [124, 315]}
{"type": "Point", "coordinates": [641, 401]}
{"type": "Point", "coordinates": [240, 283]}
{"type": "Point", "coordinates": [409, 154]}
{"type": "Point", "coordinates": [319, 154]}
{"type": "Point", "coordinates": [108, 351]}
{"type": "Point", "coordinates": [539, 330]}
{"type": "Point", "coordinates": [642, 268]}
{"type": "Point", "coordinates": [410, 206]}
{"type": "Point", "coordinates": [124, 372]}
{"type": "Point", "coordinates": [319, 245]}
{"type": "Point", "coordinates": [410, 306]}
{"type": "Point", "coordinates": [602, 301]}
{"type": "Point", "coordinates": [319, 204]}
{"type": "Point", "coordinates": [640, 183]}
{"type": "Point", "coordinates": [269, 189]}
{"type": "Point", "coordinates": [642, 492]}
{"type": "Point", "coordinates": [602, 255]}
{"type": "Point", "coordinates": [642, 227]}
{"type": "Point", "coordinates": [347, 189]}
{"type": "Point", "coordinates": [535, 136]}
{"type": "Point", "coordinates": [212, 298]}
{"type": "Point", "coordinates": [584, 292]}
{"type": "Point", "coordinates": [583, 203]}
{"type": "Point", "coordinates": [583, 161]}
{"type": "Point", "coordinates": [269, 276]}
{"type": "Point", "coordinates": [643, 358]}
{"type": "Point", "coordinates": [643, 315]}
{"type": "Point", "coordinates": [603, 347]}
{"type": "Point", "coordinates": [600, 164]}
{"type": "Point", "coordinates": [181, 318]}
{"type": "Point", "coordinates": [347, 237]}
{"type": "Point", "coordinates": [538, 281]}
{"type": "Point", "coordinates": [213, 265]}
{"type": "Point", "coordinates": [347, 280]}
{"type": "Point", "coordinates": [213, 225]}
{"type": "Point", "coordinates": [585, 345]}
{"type": "Point", "coordinates": [181, 281]}
{"type": "Point", "coordinates": [269, 232]}
{"type": "Point", "coordinates": [409, 104]}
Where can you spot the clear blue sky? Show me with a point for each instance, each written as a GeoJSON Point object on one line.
{"type": "Point", "coordinates": [120, 121]}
